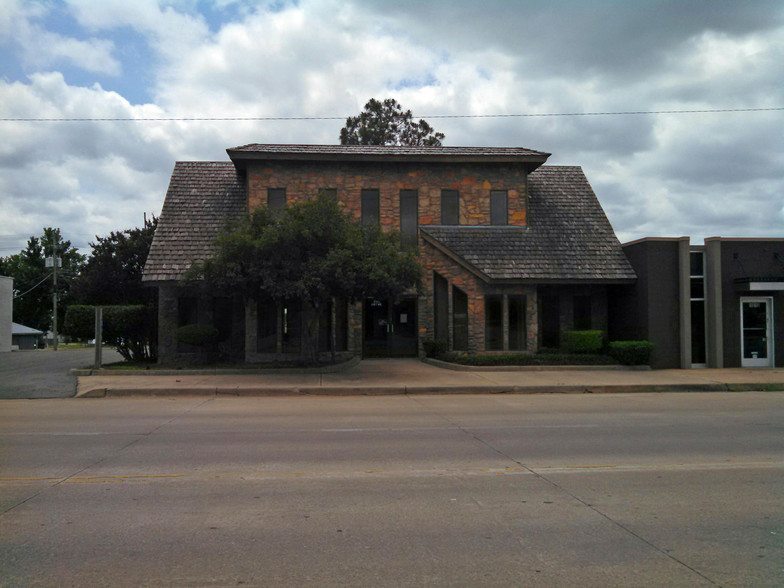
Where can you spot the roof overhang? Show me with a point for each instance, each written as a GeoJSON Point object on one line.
{"type": "Point", "coordinates": [528, 158]}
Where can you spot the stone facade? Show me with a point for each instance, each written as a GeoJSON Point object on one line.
{"type": "Point", "coordinates": [473, 182]}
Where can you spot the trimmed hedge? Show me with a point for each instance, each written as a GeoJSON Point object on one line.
{"type": "Point", "coordinates": [582, 341]}
{"type": "Point", "coordinates": [197, 335]}
{"type": "Point", "coordinates": [632, 352]}
{"type": "Point", "coordinates": [131, 329]}
{"type": "Point", "coordinates": [434, 348]}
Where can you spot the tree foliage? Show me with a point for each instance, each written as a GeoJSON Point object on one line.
{"type": "Point", "coordinates": [113, 272]}
{"type": "Point", "coordinates": [385, 123]}
{"type": "Point", "coordinates": [33, 282]}
{"type": "Point", "coordinates": [312, 252]}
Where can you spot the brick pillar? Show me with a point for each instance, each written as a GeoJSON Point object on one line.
{"type": "Point", "coordinates": [532, 321]}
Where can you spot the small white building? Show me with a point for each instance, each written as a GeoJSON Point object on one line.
{"type": "Point", "coordinates": [6, 312]}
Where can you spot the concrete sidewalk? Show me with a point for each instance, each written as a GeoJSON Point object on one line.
{"type": "Point", "coordinates": [411, 376]}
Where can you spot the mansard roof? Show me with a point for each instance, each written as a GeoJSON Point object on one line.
{"type": "Point", "coordinates": [202, 197]}
{"type": "Point", "coordinates": [568, 237]}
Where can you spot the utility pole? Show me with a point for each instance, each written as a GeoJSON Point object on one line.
{"type": "Point", "coordinates": [55, 261]}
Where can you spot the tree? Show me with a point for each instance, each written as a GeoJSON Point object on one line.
{"type": "Point", "coordinates": [385, 123]}
{"type": "Point", "coordinates": [312, 252]}
{"type": "Point", "coordinates": [33, 282]}
{"type": "Point", "coordinates": [113, 272]}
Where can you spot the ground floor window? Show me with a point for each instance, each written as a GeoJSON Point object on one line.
{"type": "Point", "coordinates": [494, 323]}
{"type": "Point", "coordinates": [441, 307]}
{"type": "Point", "coordinates": [581, 309]}
{"type": "Point", "coordinates": [459, 319]}
{"type": "Point", "coordinates": [517, 324]}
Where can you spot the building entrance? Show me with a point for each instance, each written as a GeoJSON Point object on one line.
{"type": "Point", "coordinates": [756, 327]}
{"type": "Point", "coordinates": [390, 328]}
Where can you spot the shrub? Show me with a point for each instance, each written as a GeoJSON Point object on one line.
{"type": "Point", "coordinates": [631, 352]}
{"type": "Point", "coordinates": [582, 341]}
{"type": "Point", "coordinates": [434, 348]}
{"type": "Point", "coordinates": [198, 335]}
{"type": "Point", "coordinates": [504, 359]}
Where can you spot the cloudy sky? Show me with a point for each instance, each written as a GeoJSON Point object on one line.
{"type": "Point", "coordinates": [698, 174]}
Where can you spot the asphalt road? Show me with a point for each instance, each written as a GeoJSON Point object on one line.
{"type": "Point", "coordinates": [494, 490]}
{"type": "Point", "coordinates": [44, 373]}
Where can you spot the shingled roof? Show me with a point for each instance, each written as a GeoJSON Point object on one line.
{"type": "Point", "coordinates": [202, 198]}
{"type": "Point", "coordinates": [568, 237]}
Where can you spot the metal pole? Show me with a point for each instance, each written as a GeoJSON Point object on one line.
{"type": "Point", "coordinates": [54, 294]}
{"type": "Point", "coordinates": [98, 336]}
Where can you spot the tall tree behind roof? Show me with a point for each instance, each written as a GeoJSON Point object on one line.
{"type": "Point", "coordinates": [385, 123]}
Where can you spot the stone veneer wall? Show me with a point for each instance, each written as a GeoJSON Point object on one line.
{"type": "Point", "coordinates": [476, 290]}
{"type": "Point", "coordinates": [303, 180]}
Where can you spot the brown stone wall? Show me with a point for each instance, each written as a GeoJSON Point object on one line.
{"type": "Point", "coordinates": [303, 180]}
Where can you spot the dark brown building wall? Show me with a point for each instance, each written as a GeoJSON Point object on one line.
{"type": "Point", "coordinates": [303, 180]}
{"type": "Point", "coordinates": [649, 309]}
{"type": "Point", "coordinates": [749, 259]}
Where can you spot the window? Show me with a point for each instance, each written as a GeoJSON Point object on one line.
{"type": "Point", "coordinates": [697, 299]}
{"type": "Point", "coordinates": [441, 307]}
{"type": "Point", "coordinates": [499, 207]}
{"type": "Point", "coordinates": [459, 319]}
{"type": "Point", "coordinates": [409, 218]}
{"type": "Point", "coordinates": [187, 311]}
{"type": "Point", "coordinates": [581, 307]}
{"type": "Point", "coordinates": [276, 199]}
{"type": "Point", "coordinates": [450, 207]}
{"type": "Point", "coordinates": [517, 330]}
{"type": "Point", "coordinates": [494, 323]}
{"type": "Point", "coordinates": [222, 317]}
{"type": "Point", "coordinates": [370, 208]}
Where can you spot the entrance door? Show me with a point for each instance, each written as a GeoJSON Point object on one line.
{"type": "Point", "coordinates": [390, 330]}
{"type": "Point", "coordinates": [756, 327]}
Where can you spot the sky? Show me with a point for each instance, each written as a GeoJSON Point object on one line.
{"type": "Point", "coordinates": [665, 175]}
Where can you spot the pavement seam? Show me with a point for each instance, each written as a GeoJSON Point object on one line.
{"type": "Point", "coordinates": [567, 492]}
{"type": "Point", "coordinates": [75, 474]}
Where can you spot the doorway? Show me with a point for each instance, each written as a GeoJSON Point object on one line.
{"type": "Point", "coordinates": [390, 328]}
{"type": "Point", "coordinates": [756, 332]}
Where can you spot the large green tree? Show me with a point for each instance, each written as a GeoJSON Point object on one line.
{"type": "Point", "coordinates": [112, 274]}
{"type": "Point", "coordinates": [33, 282]}
{"type": "Point", "coordinates": [386, 123]}
{"type": "Point", "coordinates": [312, 252]}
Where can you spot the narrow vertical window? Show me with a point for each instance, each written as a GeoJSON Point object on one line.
{"type": "Point", "coordinates": [276, 199]}
{"type": "Point", "coordinates": [450, 207]}
{"type": "Point", "coordinates": [409, 218]}
{"type": "Point", "coordinates": [370, 208]}
{"type": "Point", "coordinates": [459, 319]}
{"type": "Point", "coordinates": [517, 328]}
{"type": "Point", "coordinates": [581, 309]}
{"type": "Point", "coordinates": [697, 287]}
{"type": "Point", "coordinates": [440, 308]}
{"type": "Point", "coordinates": [494, 323]}
{"type": "Point", "coordinates": [499, 207]}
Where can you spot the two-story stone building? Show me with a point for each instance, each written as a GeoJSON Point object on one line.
{"type": "Point", "coordinates": [514, 252]}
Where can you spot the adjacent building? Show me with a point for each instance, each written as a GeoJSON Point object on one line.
{"type": "Point", "coordinates": [716, 305]}
{"type": "Point", "coordinates": [6, 312]}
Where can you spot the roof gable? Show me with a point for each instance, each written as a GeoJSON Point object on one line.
{"type": "Point", "coordinates": [202, 197]}
{"type": "Point", "coordinates": [568, 236]}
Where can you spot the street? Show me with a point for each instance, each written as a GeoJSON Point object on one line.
{"type": "Point", "coordinates": [43, 373]}
{"type": "Point", "coordinates": [474, 490]}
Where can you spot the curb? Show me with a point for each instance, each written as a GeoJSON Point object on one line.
{"type": "Point", "coordinates": [121, 392]}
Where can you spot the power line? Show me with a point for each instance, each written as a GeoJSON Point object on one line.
{"type": "Point", "coordinates": [34, 287]}
{"type": "Point", "coordinates": [431, 116]}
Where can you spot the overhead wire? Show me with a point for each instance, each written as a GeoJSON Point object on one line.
{"type": "Point", "coordinates": [430, 116]}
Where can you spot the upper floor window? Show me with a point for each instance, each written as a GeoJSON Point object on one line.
{"type": "Point", "coordinates": [450, 207]}
{"type": "Point", "coordinates": [499, 207]}
{"type": "Point", "coordinates": [409, 218]}
{"type": "Point", "coordinates": [370, 208]}
{"type": "Point", "coordinates": [276, 199]}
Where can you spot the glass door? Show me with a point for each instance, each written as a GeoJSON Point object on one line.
{"type": "Point", "coordinates": [756, 326]}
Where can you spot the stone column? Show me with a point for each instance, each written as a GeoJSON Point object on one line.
{"type": "Point", "coordinates": [684, 294]}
